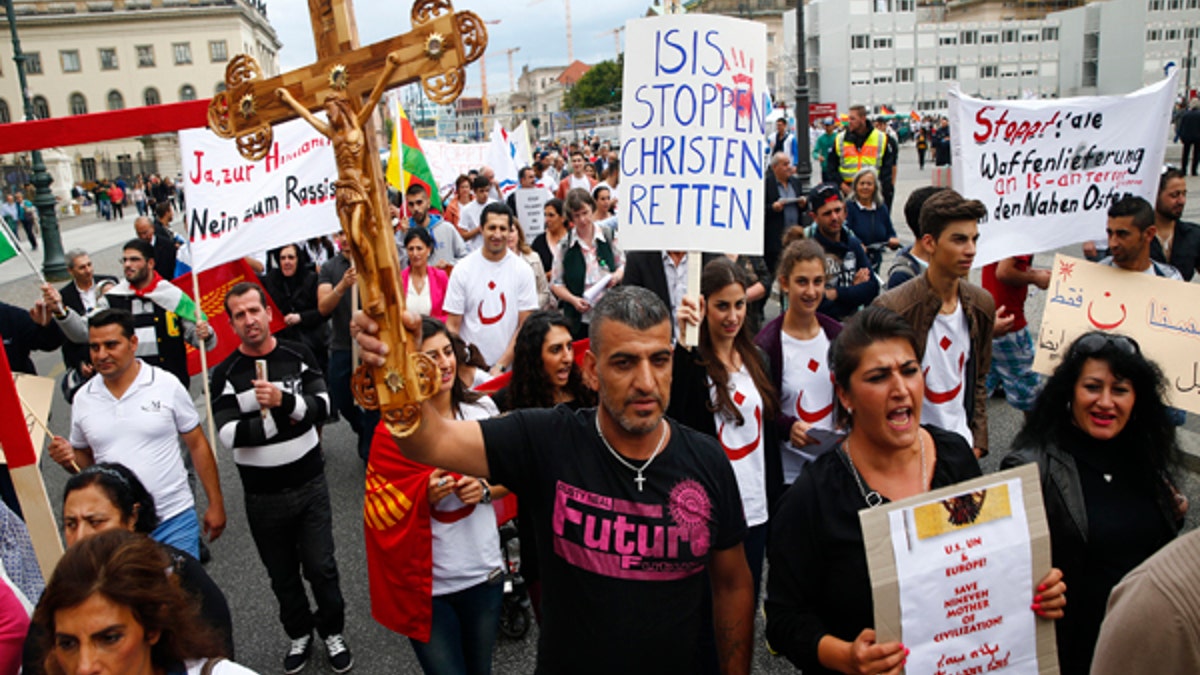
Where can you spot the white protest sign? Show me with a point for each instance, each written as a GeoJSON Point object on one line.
{"type": "Point", "coordinates": [1163, 315]}
{"type": "Point", "coordinates": [693, 135]}
{"type": "Point", "coordinates": [448, 161]}
{"type": "Point", "coordinates": [531, 210]}
{"type": "Point", "coordinates": [953, 573]}
{"type": "Point", "coordinates": [1047, 170]}
{"type": "Point", "coordinates": [236, 207]}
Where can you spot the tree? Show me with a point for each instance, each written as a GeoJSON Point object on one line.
{"type": "Point", "coordinates": [599, 87]}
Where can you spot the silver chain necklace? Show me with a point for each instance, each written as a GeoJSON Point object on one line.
{"type": "Point", "coordinates": [873, 498]}
{"type": "Point", "coordinates": [639, 478]}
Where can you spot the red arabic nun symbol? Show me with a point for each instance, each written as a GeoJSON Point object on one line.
{"type": "Point", "coordinates": [735, 454]}
{"type": "Point", "coordinates": [811, 416]}
{"type": "Point", "coordinates": [940, 397]}
{"type": "Point", "coordinates": [489, 320]}
{"type": "Point", "coordinates": [1106, 326]}
{"type": "Point", "coordinates": [452, 516]}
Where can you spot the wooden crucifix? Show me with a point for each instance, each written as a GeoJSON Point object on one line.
{"type": "Point", "coordinates": [435, 53]}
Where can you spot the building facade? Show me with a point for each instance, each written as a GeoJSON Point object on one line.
{"type": "Point", "coordinates": [96, 55]}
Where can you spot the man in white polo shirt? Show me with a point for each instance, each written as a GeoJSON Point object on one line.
{"type": "Point", "coordinates": [133, 414]}
{"type": "Point", "coordinates": [491, 292]}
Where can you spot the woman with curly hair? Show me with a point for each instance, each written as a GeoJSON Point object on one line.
{"type": "Point", "coordinates": [544, 372]}
{"type": "Point", "coordinates": [1104, 443]}
{"type": "Point", "coordinates": [109, 607]}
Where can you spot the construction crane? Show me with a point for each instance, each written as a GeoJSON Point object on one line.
{"type": "Point", "coordinates": [616, 33]}
{"type": "Point", "coordinates": [512, 83]}
{"type": "Point", "coordinates": [483, 109]}
{"type": "Point", "coordinates": [570, 40]}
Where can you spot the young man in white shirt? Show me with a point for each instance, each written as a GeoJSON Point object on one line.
{"type": "Point", "coordinates": [470, 218]}
{"type": "Point", "coordinates": [957, 317]}
{"type": "Point", "coordinates": [491, 292]}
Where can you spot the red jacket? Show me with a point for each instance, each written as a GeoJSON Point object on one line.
{"type": "Point", "coordinates": [565, 184]}
{"type": "Point", "coordinates": [438, 280]}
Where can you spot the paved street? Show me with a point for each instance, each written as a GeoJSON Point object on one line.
{"type": "Point", "coordinates": [260, 640]}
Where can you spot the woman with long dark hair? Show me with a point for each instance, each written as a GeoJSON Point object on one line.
{"type": "Point", "coordinates": [722, 388]}
{"type": "Point", "coordinates": [1103, 440]}
{"type": "Point", "coordinates": [548, 244]}
{"type": "Point", "coordinates": [544, 372]}
{"type": "Point", "coordinates": [459, 635]}
{"type": "Point", "coordinates": [110, 608]}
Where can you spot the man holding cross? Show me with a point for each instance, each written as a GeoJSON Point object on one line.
{"type": "Point", "coordinates": [640, 516]}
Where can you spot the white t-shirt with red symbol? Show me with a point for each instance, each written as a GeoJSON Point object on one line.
{"type": "Point", "coordinates": [466, 543]}
{"type": "Point", "coordinates": [743, 444]}
{"type": "Point", "coordinates": [489, 296]}
{"type": "Point", "coordinates": [807, 394]}
{"type": "Point", "coordinates": [947, 350]}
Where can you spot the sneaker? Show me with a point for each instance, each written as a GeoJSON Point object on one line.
{"type": "Point", "coordinates": [297, 656]}
{"type": "Point", "coordinates": [340, 659]}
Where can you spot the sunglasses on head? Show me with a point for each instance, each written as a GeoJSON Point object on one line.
{"type": "Point", "coordinates": [1094, 342]}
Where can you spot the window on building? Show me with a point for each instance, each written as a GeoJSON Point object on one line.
{"type": "Point", "coordinates": [218, 51]}
{"type": "Point", "coordinates": [145, 54]}
{"type": "Point", "coordinates": [151, 97]}
{"type": "Point", "coordinates": [1155, 5]}
{"type": "Point", "coordinates": [1171, 34]}
{"type": "Point", "coordinates": [904, 75]}
{"type": "Point", "coordinates": [989, 38]}
{"type": "Point", "coordinates": [860, 41]}
{"type": "Point", "coordinates": [1029, 71]}
{"type": "Point", "coordinates": [183, 53]}
{"type": "Point", "coordinates": [78, 104]}
{"type": "Point", "coordinates": [859, 78]}
{"type": "Point", "coordinates": [41, 108]}
{"type": "Point", "coordinates": [1175, 4]}
{"type": "Point", "coordinates": [770, 37]}
{"type": "Point", "coordinates": [968, 37]}
{"type": "Point", "coordinates": [70, 60]}
{"type": "Point", "coordinates": [1190, 33]}
{"type": "Point", "coordinates": [904, 5]}
{"type": "Point", "coordinates": [115, 100]}
{"type": "Point", "coordinates": [87, 168]}
{"type": "Point", "coordinates": [1011, 35]}
{"type": "Point", "coordinates": [881, 43]}
{"type": "Point", "coordinates": [889, 6]}
{"type": "Point", "coordinates": [108, 58]}
{"type": "Point", "coordinates": [1050, 34]}
{"type": "Point", "coordinates": [219, 88]}
{"type": "Point", "coordinates": [885, 78]}
{"type": "Point", "coordinates": [5, 118]}
{"type": "Point", "coordinates": [987, 72]}
{"type": "Point", "coordinates": [33, 63]}
{"type": "Point", "coordinates": [1153, 35]}
{"type": "Point", "coordinates": [187, 93]}
{"type": "Point", "coordinates": [947, 40]}
{"type": "Point", "coordinates": [1193, 4]}
{"type": "Point", "coordinates": [1030, 37]}
{"type": "Point", "coordinates": [947, 72]}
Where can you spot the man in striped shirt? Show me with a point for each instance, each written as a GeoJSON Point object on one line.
{"type": "Point", "coordinates": [270, 401]}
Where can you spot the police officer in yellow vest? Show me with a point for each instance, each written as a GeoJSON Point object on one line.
{"type": "Point", "coordinates": [858, 147]}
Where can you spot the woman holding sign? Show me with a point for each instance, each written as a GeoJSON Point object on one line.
{"type": "Point", "coordinates": [722, 388]}
{"type": "Point", "coordinates": [1105, 459]}
{"type": "Point", "coordinates": [819, 606]}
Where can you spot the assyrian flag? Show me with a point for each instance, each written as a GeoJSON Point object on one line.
{"type": "Point", "coordinates": [407, 164]}
{"type": "Point", "coordinates": [183, 259]}
{"type": "Point", "coordinates": [8, 246]}
{"type": "Point", "coordinates": [166, 295]}
{"type": "Point", "coordinates": [502, 158]}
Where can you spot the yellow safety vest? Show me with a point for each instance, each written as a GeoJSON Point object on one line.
{"type": "Point", "coordinates": [854, 158]}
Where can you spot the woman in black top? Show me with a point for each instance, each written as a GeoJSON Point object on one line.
{"type": "Point", "coordinates": [1105, 457]}
{"type": "Point", "coordinates": [293, 288]}
{"type": "Point", "coordinates": [819, 606]}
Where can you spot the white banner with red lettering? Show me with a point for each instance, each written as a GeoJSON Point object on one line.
{"type": "Point", "coordinates": [1047, 170]}
{"type": "Point", "coordinates": [237, 208]}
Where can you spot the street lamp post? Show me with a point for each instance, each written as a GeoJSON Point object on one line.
{"type": "Point", "coordinates": [804, 151]}
{"type": "Point", "coordinates": [54, 267]}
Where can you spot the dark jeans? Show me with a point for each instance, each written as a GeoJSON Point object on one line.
{"type": "Point", "coordinates": [1191, 150]}
{"type": "Point", "coordinates": [464, 631]}
{"type": "Point", "coordinates": [293, 531]}
{"type": "Point", "coordinates": [756, 548]}
{"type": "Point", "coordinates": [363, 422]}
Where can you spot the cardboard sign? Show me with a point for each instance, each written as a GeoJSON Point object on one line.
{"type": "Point", "coordinates": [953, 573]}
{"type": "Point", "coordinates": [36, 394]}
{"type": "Point", "coordinates": [1162, 315]}
{"type": "Point", "coordinates": [531, 210]}
{"type": "Point", "coordinates": [693, 136]}
{"type": "Point", "coordinates": [451, 160]}
{"type": "Point", "coordinates": [1048, 170]}
{"type": "Point", "coordinates": [237, 208]}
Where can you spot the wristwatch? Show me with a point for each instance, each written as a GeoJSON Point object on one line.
{"type": "Point", "coordinates": [487, 492]}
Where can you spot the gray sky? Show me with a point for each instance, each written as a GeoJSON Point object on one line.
{"type": "Point", "coordinates": [539, 29]}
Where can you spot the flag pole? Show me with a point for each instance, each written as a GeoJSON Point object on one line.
{"type": "Point", "coordinates": [212, 425]}
{"type": "Point", "coordinates": [32, 265]}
